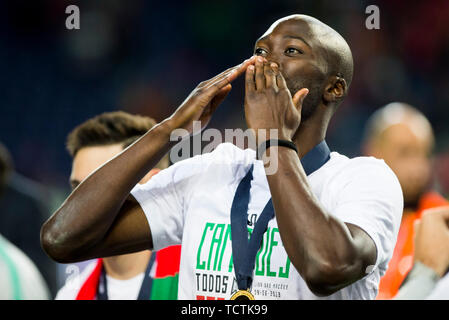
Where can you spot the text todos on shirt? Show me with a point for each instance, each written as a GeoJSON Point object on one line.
{"type": "Point", "coordinates": [243, 139]}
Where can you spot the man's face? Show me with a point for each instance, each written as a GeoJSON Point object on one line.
{"type": "Point", "coordinates": [408, 155]}
{"type": "Point", "coordinates": [88, 159]}
{"type": "Point", "coordinates": [292, 45]}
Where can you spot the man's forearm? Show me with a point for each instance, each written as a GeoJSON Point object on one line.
{"type": "Point", "coordinates": [319, 245]}
{"type": "Point", "coordinates": [87, 214]}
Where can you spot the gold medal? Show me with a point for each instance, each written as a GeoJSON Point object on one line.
{"type": "Point", "coordinates": [242, 295]}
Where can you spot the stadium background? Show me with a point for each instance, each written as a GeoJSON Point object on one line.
{"type": "Point", "coordinates": [146, 56]}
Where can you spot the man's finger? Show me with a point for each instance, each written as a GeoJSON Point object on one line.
{"type": "Point", "coordinates": [280, 81]}
{"type": "Point", "coordinates": [232, 73]}
{"type": "Point", "coordinates": [219, 97]}
{"type": "Point", "coordinates": [216, 86]}
{"type": "Point", "coordinates": [238, 69]}
{"type": "Point", "coordinates": [259, 75]}
{"type": "Point", "coordinates": [250, 84]}
{"type": "Point", "coordinates": [270, 75]}
{"type": "Point", "coordinates": [442, 212]}
{"type": "Point", "coordinates": [218, 77]}
{"type": "Point", "coordinates": [299, 97]}
{"type": "Point", "coordinates": [222, 81]}
{"type": "Point", "coordinates": [242, 68]}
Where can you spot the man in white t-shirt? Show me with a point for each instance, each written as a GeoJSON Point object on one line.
{"type": "Point", "coordinates": [320, 225]}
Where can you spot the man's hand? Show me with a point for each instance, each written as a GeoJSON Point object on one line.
{"type": "Point", "coordinates": [268, 103]}
{"type": "Point", "coordinates": [205, 98]}
{"type": "Point", "coordinates": [100, 218]}
{"type": "Point", "coordinates": [432, 239]}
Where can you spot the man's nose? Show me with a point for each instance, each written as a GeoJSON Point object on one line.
{"type": "Point", "coordinates": [272, 58]}
{"type": "Point", "coordinates": [279, 65]}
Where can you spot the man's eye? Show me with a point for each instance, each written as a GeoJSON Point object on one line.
{"type": "Point", "coordinates": [293, 51]}
{"type": "Point", "coordinates": [260, 51]}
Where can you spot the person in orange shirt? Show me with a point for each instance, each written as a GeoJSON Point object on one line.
{"type": "Point", "coordinates": [403, 137]}
{"type": "Point", "coordinates": [429, 277]}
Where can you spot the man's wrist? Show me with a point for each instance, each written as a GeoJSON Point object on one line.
{"type": "Point", "coordinates": [159, 136]}
{"type": "Point", "coordinates": [167, 126]}
{"type": "Point", "coordinates": [280, 144]}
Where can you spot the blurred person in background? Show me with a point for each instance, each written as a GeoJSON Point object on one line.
{"type": "Point", "coordinates": [441, 172]}
{"type": "Point", "coordinates": [429, 277]}
{"type": "Point", "coordinates": [137, 276]}
{"type": "Point", "coordinates": [403, 137]}
{"type": "Point", "coordinates": [19, 277]}
{"type": "Point", "coordinates": [24, 206]}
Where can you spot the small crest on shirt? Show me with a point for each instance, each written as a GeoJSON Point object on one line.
{"type": "Point", "coordinates": [252, 219]}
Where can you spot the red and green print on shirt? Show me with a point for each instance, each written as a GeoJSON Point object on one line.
{"type": "Point", "coordinates": [164, 284]}
{"type": "Point", "coordinates": [214, 272]}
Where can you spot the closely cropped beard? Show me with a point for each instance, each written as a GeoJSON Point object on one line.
{"type": "Point", "coordinates": [312, 100]}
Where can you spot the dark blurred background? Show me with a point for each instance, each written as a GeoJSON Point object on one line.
{"type": "Point", "coordinates": [146, 56]}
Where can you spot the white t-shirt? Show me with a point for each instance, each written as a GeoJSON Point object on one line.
{"type": "Point", "coordinates": [117, 289]}
{"type": "Point", "coordinates": [441, 291]}
{"type": "Point", "coordinates": [190, 202]}
{"type": "Point", "coordinates": [19, 277]}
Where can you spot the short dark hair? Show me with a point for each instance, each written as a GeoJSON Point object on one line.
{"type": "Point", "coordinates": [117, 127]}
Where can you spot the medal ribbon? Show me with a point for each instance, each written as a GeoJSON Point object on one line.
{"type": "Point", "coordinates": [244, 250]}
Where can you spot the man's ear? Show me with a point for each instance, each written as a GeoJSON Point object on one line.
{"type": "Point", "coordinates": [335, 89]}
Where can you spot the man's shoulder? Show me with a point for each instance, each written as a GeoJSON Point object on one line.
{"type": "Point", "coordinates": [344, 173]}
{"type": "Point", "coordinates": [361, 164]}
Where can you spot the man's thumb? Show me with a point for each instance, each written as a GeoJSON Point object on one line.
{"type": "Point", "coordinates": [299, 97]}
